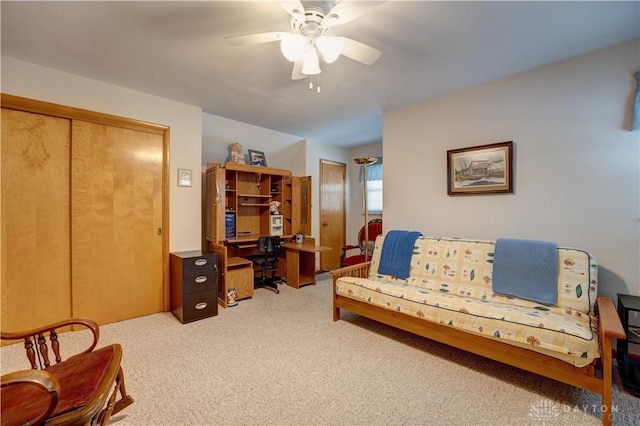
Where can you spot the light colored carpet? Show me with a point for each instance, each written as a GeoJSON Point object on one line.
{"type": "Point", "coordinates": [280, 359]}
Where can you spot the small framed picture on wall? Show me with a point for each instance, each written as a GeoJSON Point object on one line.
{"type": "Point", "coordinates": [184, 177]}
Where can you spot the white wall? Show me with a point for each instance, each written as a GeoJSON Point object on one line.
{"type": "Point", "coordinates": [577, 178]}
{"type": "Point", "coordinates": [32, 81]}
{"type": "Point", "coordinates": [281, 149]}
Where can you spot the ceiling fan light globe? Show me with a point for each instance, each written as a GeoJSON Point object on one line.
{"type": "Point", "coordinates": [311, 64]}
{"type": "Point", "coordinates": [292, 46]}
{"type": "Point", "coordinates": [330, 48]}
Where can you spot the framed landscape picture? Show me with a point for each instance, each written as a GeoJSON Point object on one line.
{"type": "Point", "coordinates": [484, 169]}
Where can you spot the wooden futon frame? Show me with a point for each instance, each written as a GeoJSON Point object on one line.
{"type": "Point", "coordinates": [595, 377]}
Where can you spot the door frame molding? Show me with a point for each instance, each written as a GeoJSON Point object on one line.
{"type": "Point", "coordinates": [344, 201]}
{"type": "Point", "coordinates": [72, 113]}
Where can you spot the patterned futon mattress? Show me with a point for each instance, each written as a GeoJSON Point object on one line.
{"type": "Point", "coordinates": [450, 283]}
{"type": "Point", "coordinates": [559, 332]}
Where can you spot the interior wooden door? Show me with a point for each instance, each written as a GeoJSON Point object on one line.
{"type": "Point", "coordinates": [116, 223]}
{"type": "Point", "coordinates": [332, 212]}
{"type": "Point", "coordinates": [35, 220]}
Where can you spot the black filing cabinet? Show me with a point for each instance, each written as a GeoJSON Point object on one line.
{"type": "Point", "coordinates": [194, 285]}
{"type": "Point", "coordinates": [629, 369]}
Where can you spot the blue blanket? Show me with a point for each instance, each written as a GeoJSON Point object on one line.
{"type": "Point", "coordinates": [526, 269]}
{"type": "Point", "coordinates": [395, 258]}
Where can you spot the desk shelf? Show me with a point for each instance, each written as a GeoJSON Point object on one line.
{"type": "Point", "coordinates": [255, 195]}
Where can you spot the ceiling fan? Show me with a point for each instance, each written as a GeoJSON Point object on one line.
{"type": "Point", "coordinates": [308, 41]}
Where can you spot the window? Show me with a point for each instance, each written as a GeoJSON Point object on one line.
{"type": "Point", "coordinates": [374, 186]}
{"type": "Point", "coordinates": [374, 196]}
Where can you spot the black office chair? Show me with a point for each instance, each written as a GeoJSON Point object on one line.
{"type": "Point", "coordinates": [267, 260]}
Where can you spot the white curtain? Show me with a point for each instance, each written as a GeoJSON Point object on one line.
{"type": "Point", "coordinates": [374, 171]}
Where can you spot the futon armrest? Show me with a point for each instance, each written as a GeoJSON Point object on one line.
{"type": "Point", "coordinates": [609, 322]}
{"type": "Point", "coordinates": [360, 270]}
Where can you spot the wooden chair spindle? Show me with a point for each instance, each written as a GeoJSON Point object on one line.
{"type": "Point", "coordinates": [55, 345]}
{"type": "Point", "coordinates": [43, 349]}
{"type": "Point", "coordinates": [31, 353]}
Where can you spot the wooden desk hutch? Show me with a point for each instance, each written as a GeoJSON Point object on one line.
{"type": "Point", "coordinates": [237, 212]}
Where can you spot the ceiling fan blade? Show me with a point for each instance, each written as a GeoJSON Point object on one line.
{"type": "Point", "coordinates": [243, 40]}
{"type": "Point", "coordinates": [358, 51]}
{"type": "Point", "coordinates": [346, 11]}
{"type": "Point", "coordinates": [296, 74]}
{"type": "Point", "coordinates": [293, 8]}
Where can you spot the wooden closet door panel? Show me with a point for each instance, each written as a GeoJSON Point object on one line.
{"type": "Point", "coordinates": [116, 215]}
{"type": "Point", "coordinates": [35, 220]}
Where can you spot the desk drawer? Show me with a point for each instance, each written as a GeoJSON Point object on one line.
{"type": "Point", "coordinates": [199, 305]}
{"type": "Point", "coordinates": [205, 279]}
{"type": "Point", "coordinates": [199, 273]}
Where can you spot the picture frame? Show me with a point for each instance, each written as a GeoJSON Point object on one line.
{"type": "Point", "coordinates": [257, 158]}
{"type": "Point", "coordinates": [184, 177]}
{"type": "Point", "coordinates": [483, 169]}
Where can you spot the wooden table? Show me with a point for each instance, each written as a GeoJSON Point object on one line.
{"type": "Point", "coordinates": [301, 262]}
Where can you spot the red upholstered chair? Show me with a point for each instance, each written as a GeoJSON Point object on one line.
{"type": "Point", "coordinates": [80, 390]}
{"type": "Point", "coordinates": [352, 255]}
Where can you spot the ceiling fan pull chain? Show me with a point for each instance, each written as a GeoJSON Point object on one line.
{"type": "Point", "coordinates": [318, 84]}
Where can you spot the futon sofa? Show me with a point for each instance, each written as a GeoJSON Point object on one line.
{"type": "Point", "coordinates": [448, 295]}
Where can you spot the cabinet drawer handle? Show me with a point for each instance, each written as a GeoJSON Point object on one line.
{"type": "Point", "coordinates": [201, 305]}
{"type": "Point", "coordinates": [200, 279]}
{"type": "Point", "coordinates": [201, 262]}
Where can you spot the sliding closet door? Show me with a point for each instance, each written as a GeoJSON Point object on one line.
{"type": "Point", "coordinates": [35, 220]}
{"type": "Point", "coordinates": [116, 223]}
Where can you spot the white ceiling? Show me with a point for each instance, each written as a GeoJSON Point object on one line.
{"type": "Point", "coordinates": [177, 50]}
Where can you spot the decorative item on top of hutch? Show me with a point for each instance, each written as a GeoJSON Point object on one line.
{"type": "Point", "coordinates": [257, 158]}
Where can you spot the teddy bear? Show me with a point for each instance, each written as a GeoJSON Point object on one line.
{"type": "Point", "coordinates": [236, 153]}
